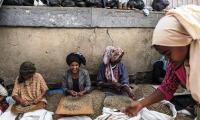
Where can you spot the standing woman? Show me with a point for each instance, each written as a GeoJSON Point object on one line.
{"type": "Point", "coordinates": [177, 36]}
{"type": "Point", "coordinates": [76, 80]}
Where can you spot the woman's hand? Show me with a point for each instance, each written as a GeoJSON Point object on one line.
{"type": "Point", "coordinates": [81, 93]}
{"type": "Point", "coordinates": [133, 108]}
{"type": "Point", "coordinates": [39, 98]}
{"type": "Point", "coordinates": [73, 93]}
{"type": "Point", "coordinates": [136, 106]}
{"type": "Point", "coordinates": [26, 103]}
{"type": "Point", "coordinates": [116, 85]}
{"type": "Point", "coordinates": [35, 101]}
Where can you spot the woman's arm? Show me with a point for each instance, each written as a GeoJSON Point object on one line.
{"type": "Point", "coordinates": [22, 102]}
{"type": "Point", "coordinates": [15, 94]}
{"type": "Point", "coordinates": [164, 91]}
{"type": "Point", "coordinates": [135, 107]}
{"type": "Point", "coordinates": [39, 98]}
{"type": "Point", "coordinates": [101, 76]}
{"type": "Point", "coordinates": [88, 82]}
{"type": "Point", "coordinates": [65, 83]}
{"type": "Point", "coordinates": [124, 78]}
{"type": "Point", "coordinates": [155, 97]}
{"type": "Point", "coordinates": [43, 88]}
{"type": "Point", "coordinates": [17, 99]}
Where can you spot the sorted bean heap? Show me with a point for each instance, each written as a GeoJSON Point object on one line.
{"type": "Point", "coordinates": [74, 103]}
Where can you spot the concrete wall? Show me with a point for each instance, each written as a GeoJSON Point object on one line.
{"type": "Point", "coordinates": [48, 47]}
{"type": "Point", "coordinates": [76, 17]}
{"type": "Point", "coordinates": [45, 35]}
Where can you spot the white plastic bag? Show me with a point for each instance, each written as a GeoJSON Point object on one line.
{"type": "Point", "coordinates": [144, 114]}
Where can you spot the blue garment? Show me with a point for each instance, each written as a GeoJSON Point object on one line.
{"type": "Point", "coordinates": [123, 74]}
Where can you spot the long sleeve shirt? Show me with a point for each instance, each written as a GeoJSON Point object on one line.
{"type": "Point", "coordinates": [173, 78]}
{"type": "Point", "coordinates": [122, 74]}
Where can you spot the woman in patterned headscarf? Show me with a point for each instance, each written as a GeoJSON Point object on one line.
{"type": "Point", "coordinates": [76, 80]}
{"type": "Point", "coordinates": [112, 73]}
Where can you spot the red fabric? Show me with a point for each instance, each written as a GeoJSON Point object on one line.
{"type": "Point", "coordinates": [173, 78]}
{"type": "Point", "coordinates": [3, 106]}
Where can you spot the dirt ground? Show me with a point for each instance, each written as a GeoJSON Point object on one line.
{"type": "Point", "coordinates": [99, 101]}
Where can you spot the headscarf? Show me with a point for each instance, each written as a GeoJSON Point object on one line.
{"type": "Point", "coordinates": [2, 81]}
{"type": "Point", "coordinates": [113, 53]}
{"type": "Point", "coordinates": [75, 57]}
{"type": "Point", "coordinates": [181, 27]}
{"type": "Point", "coordinates": [3, 91]}
{"type": "Point", "coordinates": [26, 68]}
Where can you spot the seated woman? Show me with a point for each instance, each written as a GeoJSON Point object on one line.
{"type": "Point", "coordinates": [112, 73]}
{"type": "Point", "coordinates": [28, 92]}
{"type": "Point", "coordinates": [30, 86]}
{"type": "Point", "coordinates": [76, 80]}
{"type": "Point", "coordinates": [3, 93]}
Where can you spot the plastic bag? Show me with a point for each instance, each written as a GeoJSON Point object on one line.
{"type": "Point", "coordinates": [138, 4]}
{"type": "Point", "coordinates": [159, 5]}
{"type": "Point", "coordinates": [19, 2]}
{"type": "Point", "coordinates": [68, 3]}
{"type": "Point", "coordinates": [112, 3]}
{"type": "Point", "coordinates": [95, 3]}
{"type": "Point", "coordinates": [54, 2]}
